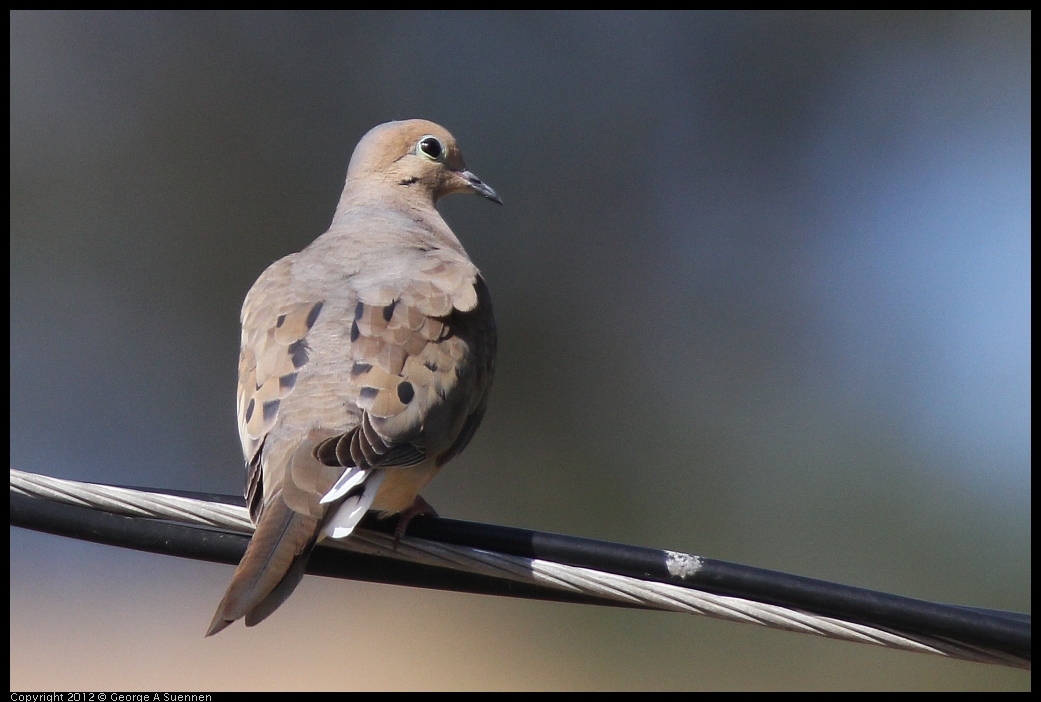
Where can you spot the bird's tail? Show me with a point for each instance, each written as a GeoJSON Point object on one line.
{"type": "Point", "coordinates": [271, 568]}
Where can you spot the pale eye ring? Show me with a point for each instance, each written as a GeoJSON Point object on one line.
{"type": "Point", "coordinates": [430, 147]}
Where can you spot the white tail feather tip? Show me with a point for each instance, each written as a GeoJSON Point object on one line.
{"type": "Point", "coordinates": [351, 511]}
{"type": "Point", "coordinates": [351, 478]}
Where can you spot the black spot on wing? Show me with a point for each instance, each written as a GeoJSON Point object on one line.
{"type": "Point", "coordinates": [270, 410]}
{"type": "Point", "coordinates": [369, 393]}
{"type": "Point", "coordinates": [287, 381]}
{"type": "Point", "coordinates": [388, 311]}
{"type": "Point", "coordinates": [312, 316]}
{"type": "Point", "coordinates": [405, 392]}
{"type": "Point", "coordinates": [354, 331]}
{"type": "Point", "coordinates": [298, 351]}
{"type": "Point", "coordinates": [360, 368]}
{"type": "Point", "coordinates": [250, 408]}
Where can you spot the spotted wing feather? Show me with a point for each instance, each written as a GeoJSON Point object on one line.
{"type": "Point", "coordinates": [275, 350]}
{"type": "Point", "coordinates": [418, 350]}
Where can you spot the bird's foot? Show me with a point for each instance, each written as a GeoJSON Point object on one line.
{"type": "Point", "coordinates": [419, 506]}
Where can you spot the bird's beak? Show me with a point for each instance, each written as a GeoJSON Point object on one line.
{"type": "Point", "coordinates": [480, 187]}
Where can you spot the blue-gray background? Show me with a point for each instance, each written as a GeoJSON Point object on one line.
{"type": "Point", "coordinates": [763, 290]}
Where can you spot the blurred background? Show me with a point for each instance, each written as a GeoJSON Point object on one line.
{"type": "Point", "coordinates": [763, 290]}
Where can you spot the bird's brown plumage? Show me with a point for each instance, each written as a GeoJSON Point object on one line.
{"type": "Point", "coordinates": [365, 363]}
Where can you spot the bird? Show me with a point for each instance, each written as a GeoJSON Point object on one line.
{"type": "Point", "coordinates": [365, 364]}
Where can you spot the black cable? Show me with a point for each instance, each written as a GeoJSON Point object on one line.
{"type": "Point", "coordinates": [207, 544]}
{"type": "Point", "coordinates": [1003, 631]}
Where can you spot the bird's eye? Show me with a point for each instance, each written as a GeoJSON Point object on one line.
{"type": "Point", "coordinates": [430, 147]}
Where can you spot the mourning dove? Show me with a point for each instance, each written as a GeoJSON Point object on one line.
{"type": "Point", "coordinates": [365, 364]}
